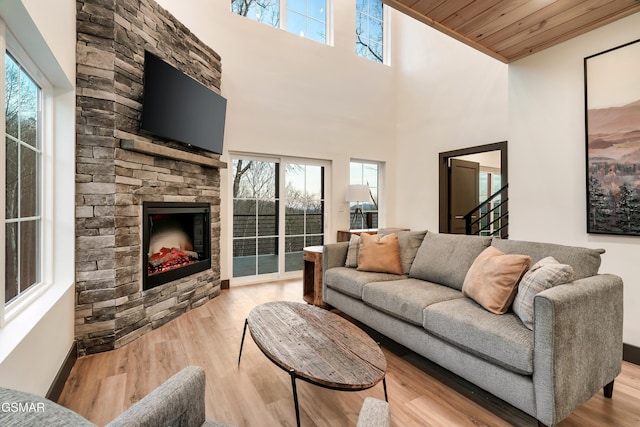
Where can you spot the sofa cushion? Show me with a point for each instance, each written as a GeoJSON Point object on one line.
{"type": "Point", "coordinates": [545, 274]}
{"type": "Point", "coordinates": [584, 261]}
{"type": "Point", "coordinates": [407, 298]}
{"type": "Point", "coordinates": [350, 281]}
{"type": "Point", "coordinates": [409, 242]}
{"type": "Point", "coordinates": [492, 281]}
{"type": "Point", "coordinates": [379, 253]}
{"type": "Point", "coordinates": [446, 258]}
{"type": "Point", "coordinates": [353, 251]}
{"type": "Point", "coordinates": [500, 339]}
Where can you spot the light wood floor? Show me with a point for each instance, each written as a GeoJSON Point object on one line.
{"type": "Point", "coordinates": [259, 394]}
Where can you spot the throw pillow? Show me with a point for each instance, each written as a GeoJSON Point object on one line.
{"type": "Point", "coordinates": [545, 274]}
{"type": "Point", "coordinates": [492, 280]}
{"type": "Point", "coordinates": [409, 242]}
{"type": "Point", "coordinates": [352, 252]}
{"type": "Point", "coordinates": [379, 254]}
{"type": "Point", "coordinates": [446, 258]}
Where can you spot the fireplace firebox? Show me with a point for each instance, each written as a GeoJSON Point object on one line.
{"type": "Point", "coordinates": [176, 241]}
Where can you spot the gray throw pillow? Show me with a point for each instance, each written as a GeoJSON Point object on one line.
{"type": "Point", "coordinates": [409, 242]}
{"type": "Point", "coordinates": [353, 251]}
{"type": "Point", "coordinates": [445, 258]}
{"type": "Point", "coordinates": [545, 274]}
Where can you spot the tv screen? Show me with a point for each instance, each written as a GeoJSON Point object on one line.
{"type": "Point", "coordinates": [178, 108]}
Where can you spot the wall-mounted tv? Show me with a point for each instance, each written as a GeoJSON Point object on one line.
{"type": "Point", "coordinates": [178, 108]}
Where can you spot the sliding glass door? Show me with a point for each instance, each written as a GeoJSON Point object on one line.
{"type": "Point", "coordinates": [278, 209]}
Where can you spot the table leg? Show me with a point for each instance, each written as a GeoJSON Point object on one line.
{"type": "Point", "coordinates": [384, 385]}
{"type": "Point", "coordinates": [244, 331]}
{"type": "Point", "coordinates": [295, 396]}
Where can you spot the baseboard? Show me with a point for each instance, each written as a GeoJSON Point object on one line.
{"type": "Point", "coordinates": [58, 383]}
{"type": "Point", "coordinates": [224, 284]}
{"type": "Point", "coordinates": [631, 354]}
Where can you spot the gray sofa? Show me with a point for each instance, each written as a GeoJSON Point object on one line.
{"type": "Point", "coordinates": [179, 401]}
{"type": "Point", "coordinates": [574, 349]}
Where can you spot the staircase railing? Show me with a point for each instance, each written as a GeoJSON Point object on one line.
{"type": "Point", "coordinates": [491, 217]}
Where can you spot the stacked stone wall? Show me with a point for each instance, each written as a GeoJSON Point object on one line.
{"type": "Point", "coordinates": [111, 182]}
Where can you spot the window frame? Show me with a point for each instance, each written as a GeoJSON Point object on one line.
{"type": "Point", "coordinates": [9, 310]}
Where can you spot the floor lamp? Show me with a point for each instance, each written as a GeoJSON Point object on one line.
{"type": "Point", "coordinates": [358, 193]}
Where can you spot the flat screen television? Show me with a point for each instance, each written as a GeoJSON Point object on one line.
{"type": "Point", "coordinates": [179, 108]}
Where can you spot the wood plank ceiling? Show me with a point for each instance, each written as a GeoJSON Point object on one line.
{"type": "Point", "coordinates": [509, 30]}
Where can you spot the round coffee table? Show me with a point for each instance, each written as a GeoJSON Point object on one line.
{"type": "Point", "coordinates": [317, 346]}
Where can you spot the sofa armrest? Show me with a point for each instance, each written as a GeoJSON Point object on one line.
{"type": "Point", "coordinates": [578, 343]}
{"type": "Point", "coordinates": [374, 413]}
{"type": "Point", "coordinates": [333, 255]}
{"type": "Point", "coordinates": [177, 401]}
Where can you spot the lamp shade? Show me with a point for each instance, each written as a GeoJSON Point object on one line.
{"type": "Point", "coordinates": [358, 193]}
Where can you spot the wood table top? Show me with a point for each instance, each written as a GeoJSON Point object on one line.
{"type": "Point", "coordinates": [318, 346]}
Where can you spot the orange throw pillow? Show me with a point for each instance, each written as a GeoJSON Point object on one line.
{"type": "Point", "coordinates": [492, 281]}
{"type": "Point", "coordinates": [379, 254]}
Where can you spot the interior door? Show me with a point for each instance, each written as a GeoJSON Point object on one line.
{"type": "Point", "coordinates": [463, 192]}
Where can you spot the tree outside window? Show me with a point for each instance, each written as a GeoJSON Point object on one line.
{"type": "Point", "coordinates": [22, 169]}
{"type": "Point", "coordinates": [369, 30]}
{"type": "Point", "coordinates": [265, 11]}
{"type": "Point", "coordinates": [306, 18]}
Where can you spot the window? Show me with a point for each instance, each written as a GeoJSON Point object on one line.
{"type": "Point", "coordinates": [370, 30]}
{"type": "Point", "coordinates": [265, 11]}
{"type": "Point", "coordinates": [368, 173]}
{"type": "Point", "coordinates": [306, 18]}
{"type": "Point", "coordinates": [490, 184]}
{"type": "Point", "coordinates": [22, 195]}
{"type": "Point", "coordinates": [278, 209]}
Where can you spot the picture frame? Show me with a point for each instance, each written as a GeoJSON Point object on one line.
{"type": "Point", "coordinates": [612, 129]}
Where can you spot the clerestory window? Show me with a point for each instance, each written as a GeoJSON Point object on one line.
{"type": "Point", "coordinates": [306, 18]}
{"type": "Point", "coordinates": [370, 30]}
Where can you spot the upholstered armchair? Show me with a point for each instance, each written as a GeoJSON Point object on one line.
{"type": "Point", "coordinates": [179, 401]}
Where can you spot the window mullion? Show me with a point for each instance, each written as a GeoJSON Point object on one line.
{"type": "Point", "coordinates": [283, 14]}
{"type": "Point", "coordinates": [282, 215]}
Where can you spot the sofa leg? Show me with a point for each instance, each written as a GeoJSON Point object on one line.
{"type": "Point", "coordinates": [608, 390]}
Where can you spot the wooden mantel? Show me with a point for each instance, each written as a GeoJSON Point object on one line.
{"type": "Point", "coordinates": [152, 149]}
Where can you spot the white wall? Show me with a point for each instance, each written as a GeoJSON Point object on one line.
{"type": "Point", "coordinates": [547, 190]}
{"type": "Point", "coordinates": [35, 342]}
{"type": "Point", "coordinates": [292, 96]}
{"type": "Point", "coordinates": [449, 96]}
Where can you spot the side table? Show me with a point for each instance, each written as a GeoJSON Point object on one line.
{"type": "Point", "coordinates": [312, 276]}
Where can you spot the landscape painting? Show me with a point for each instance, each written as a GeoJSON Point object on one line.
{"type": "Point", "coordinates": [612, 84]}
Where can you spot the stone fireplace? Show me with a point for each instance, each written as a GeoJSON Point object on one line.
{"type": "Point", "coordinates": [121, 173]}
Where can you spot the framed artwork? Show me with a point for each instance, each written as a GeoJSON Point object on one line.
{"type": "Point", "coordinates": [612, 118]}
